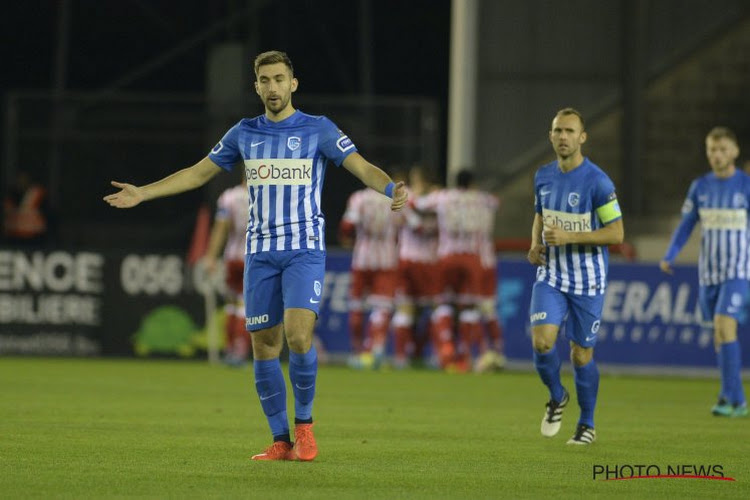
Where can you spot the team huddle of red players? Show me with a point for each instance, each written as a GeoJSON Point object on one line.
{"type": "Point", "coordinates": [435, 257]}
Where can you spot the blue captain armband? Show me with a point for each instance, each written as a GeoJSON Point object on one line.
{"type": "Point", "coordinates": [389, 190]}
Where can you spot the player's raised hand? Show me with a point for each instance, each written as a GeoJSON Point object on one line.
{"type": "Point", "coordinates": [538, 255]}
{"type": "Point", "coordinates": [128, 195]}
{"type": "Point", "coordinates": [666, 267]}
{"type": "Point", "coordinates": [400, 197]}
{"type": "Point", "coordinates": [554, 235]}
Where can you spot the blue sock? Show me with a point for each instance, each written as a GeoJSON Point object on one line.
{"type": "Point", "coordinates": [548, 367]}
{"type": "Point", "coordinates": [731, 370]}
{"type": "Point", "coordinates": [303, 369]}
{"type": "Point", "coordinates": [726, 370]}
{"type": "Point", "coordinates": [724, 391]}
{"type": "Point", "coordinates": [587, 387]}
{"type": "Point", "coordinates": [269, 382]}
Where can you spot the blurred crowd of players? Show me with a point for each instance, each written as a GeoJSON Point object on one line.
{"type": "Point", "coordinates": [423, 280]}
{"type": "Point", "coordinates": [426, 275]}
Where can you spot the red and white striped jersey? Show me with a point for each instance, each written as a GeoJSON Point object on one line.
{"type": "Point", "coordinates": [487, 252]}
{"type": "Point", "coordinates": [376, 226]}
{"type": "Point", "coordinates": [462, 215]}
{"type": "Point", "coordinates": [233, 205]}
{"type": "Point", "coordinates": [418, 239]}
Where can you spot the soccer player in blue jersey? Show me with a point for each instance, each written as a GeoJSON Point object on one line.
{"type": "Point", "coordinates": [720, 200]}
{"type": "Point", "coordinates": [284, 152]}
{"type": "Point", "coordinates": [577, 217]}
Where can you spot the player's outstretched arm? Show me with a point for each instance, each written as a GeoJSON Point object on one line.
{"type": "Point", "coordinates": [179, 182]}
{"type": "Point", "coordinates": [216, 242]}
{"type": "Point", "coordinates": [375, 178]}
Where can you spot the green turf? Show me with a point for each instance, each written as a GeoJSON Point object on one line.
{"type": "Point", "coordinates": [100, 429]}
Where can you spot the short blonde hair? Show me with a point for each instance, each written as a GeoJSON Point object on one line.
{"type": "Point", "coordinates": [272, 57]}
{"type": "Point", "coordinates": [717, 133]}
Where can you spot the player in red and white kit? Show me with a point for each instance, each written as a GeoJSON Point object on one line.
{"type": "Point", "coordinates": [229, 230]}
{"type": "Point", "coordinates": [462, 213]}
{"type": "Point", "coordinates": [491, 354]}
{"type": "Point", "coordinates": [418, 288]}
{"type": "Point", "coordinates": [368, 220]}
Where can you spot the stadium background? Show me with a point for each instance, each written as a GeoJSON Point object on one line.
{"type": "Point", "coordinates": [133, 89]}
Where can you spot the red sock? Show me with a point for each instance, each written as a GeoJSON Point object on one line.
{"type": "Point", "coordinates": [402, 336]}
{"type": "Point", "coordinates": [496, 334]}
{"type": "Point", "coordinates": [380, 320]}
{"type": "Point", "coordinates": [403, 330]}
{"type": "Point", "coordinates": [356, 327]}
{"type": "Point", "coordinates": [241, 338]}
{"type": "Point", "coordinates": [442, 337]}
{"type": "Point", "coordinates": [479, 339]}
{"type": "Point", "coordinates": [228, 333]}
{"type": "Point", "coordinates": [467, 333]}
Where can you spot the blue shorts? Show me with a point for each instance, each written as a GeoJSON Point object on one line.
{"type": "Point", "coordinates": [727, 299]}
{"type": "Point", "coordinates": [581, 314]}
{"type": "Point", "coordinates": [275, 281]}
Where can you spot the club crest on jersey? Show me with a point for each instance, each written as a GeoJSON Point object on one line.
{"type": "Point", "coordinates": [573, 199]}
{"type": "Point", "coordinates": [294, 142]}
{"type": "Point", "coordinates": [739, 200]}
{"type": "Point", "coordinates": [317, 287]}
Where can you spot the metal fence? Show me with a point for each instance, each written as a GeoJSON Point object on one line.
{"type": "Point", "coordinates": [76, 143]}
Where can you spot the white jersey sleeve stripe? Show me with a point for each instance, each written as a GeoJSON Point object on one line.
{"type": "Point", "coordinates": [266, 207]}
{"type": "Point", "coordinates": [308, 207]}
{"type": "Point", "coordinates": [580, 280]}
{"type": "Point", "coordinates": [563, 258]}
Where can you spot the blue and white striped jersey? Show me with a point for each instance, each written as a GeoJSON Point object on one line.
{"type": "Point", "coordinates": [581, 200]}
{"type": "Point", "coordinates": [284, 165]}
{"type": "Point", "coordinates": [722, 207]}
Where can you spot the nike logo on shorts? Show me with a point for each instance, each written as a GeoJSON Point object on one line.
{"type": "Point", "coordinates": [253, 144]}
{"type": "Point", "coordinates": [314, 301]}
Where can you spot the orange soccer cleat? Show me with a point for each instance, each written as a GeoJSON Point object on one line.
{"type": "Point", "coordinates": [279, 450]}
{"type": "Point", "coordinates": [305, 448]}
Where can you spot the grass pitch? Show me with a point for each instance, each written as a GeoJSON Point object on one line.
{"type": "Point", "coordinates": [114, 428]}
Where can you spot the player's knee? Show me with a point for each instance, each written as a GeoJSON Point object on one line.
{"type": "Point", "coordinates": [403, 319]}
{"type": "Point", "coordinates": [581, 356]}
{"type": "Point", "coordinates": [379, 316]}
{"type": "Point", "coordinates": [265, 346]}
{"type": "Point", "coordinates": [406, 309]}
{"type": "Point", "coordinates": [300, 342]}
{"type": "Point", "coordinates": [469, 316]}
{"type": "Point", "coordinates": [542, 345]}
{"type": "Point", "coordinates": [724, 335]}
{"type": "Point", "coordinates": [487, 308]}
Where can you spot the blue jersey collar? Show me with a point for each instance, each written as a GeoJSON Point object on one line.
{"type": "Point", "coordinates": [286, 121]}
